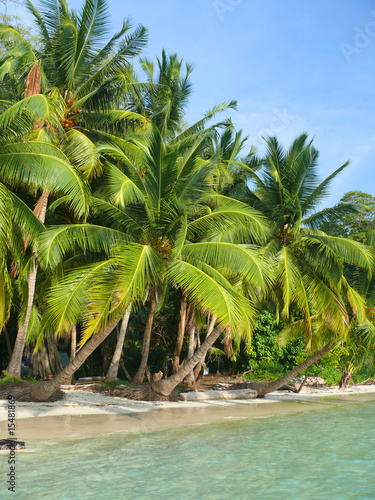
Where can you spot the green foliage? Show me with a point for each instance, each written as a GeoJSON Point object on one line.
{"type": "Point", "coordinates": [267, 358]}
{"type": "Point", "coordinates": [266, 373]}
{"type": "Point", "coordinates": [363, 374]}
{"type": "Point", "coordinates": [331, 375]}
{"type": "Point", "coordinates": [338, 356]}
{"type": "Point", "coordinates": [162, 216]}
{"type": "Point", "coordinates": [356, 224]}
{"type": "Point", "coordinates": [7, 379]}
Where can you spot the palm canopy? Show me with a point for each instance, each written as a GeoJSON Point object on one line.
{"type": "Point", "coordinates": [362, 333]}
{"type": "Point", "coordinates": [72, 54]}
{"type": "Point", "coordinates": [34, 165]}
{"type": "Point", "coordinates": [288, 188]}
{"type": "Point", "coordinates": [309, 264]}
{"type": "Point", "coordinates": [227, 146]}
{"type": "Point", "coordinates": [164, 100]}
{"type": "Point", "coordinates": [75, 65]}
{"type": "Point", "coordinates": [17, 224]}
{"type": "Point", "coordinates": [146, 223]}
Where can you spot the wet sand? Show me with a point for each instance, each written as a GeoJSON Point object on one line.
{"type": "Point", "coordinates": [132, 417]}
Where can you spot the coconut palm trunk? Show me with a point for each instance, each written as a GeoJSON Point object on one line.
{"type": "Point", "coordinates": [180, 336]}
{"type": "Point", "coordinates": [139, 376]}
{"type": "Point", "coordinates": [73, 347]}
{"type": "Point", "coordinates": [14, 366]}
{"type": "Point", "coordinates": [41, 391]}
{"type": "Point", "coordinates": [166, 385]}
{"type": "Point", "coordinates": [73, 342]}
{"type": "Point", "coordinates": [263, 389]}
{"type": "Point", "coordinates": [189, 379]}
{"type": "Point", "coordinates": [113, 367]}
{"type": "Point", "coordinates": [198, 369]}
{"type": "Point", "coordinates": [46, 361]}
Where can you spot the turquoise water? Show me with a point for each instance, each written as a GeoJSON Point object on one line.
{"type": "Point", "coordinates": [319, 454]}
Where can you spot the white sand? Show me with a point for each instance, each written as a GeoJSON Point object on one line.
{"type": "Point", "coordinates": [85, 413]}
{"type": "Point", "coordinates": [83, 402]}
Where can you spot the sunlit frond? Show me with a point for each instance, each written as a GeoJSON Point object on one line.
{"type": "Point", "coordinates": [55, 243]}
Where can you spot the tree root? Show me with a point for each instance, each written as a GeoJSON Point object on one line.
{"type": "Point", "coordinates": [144, 392]}
{"type": "Point", "coordinates": [21, 391]}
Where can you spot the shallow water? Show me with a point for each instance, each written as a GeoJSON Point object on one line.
{"type": "Point", "coordinates": [318, 454]}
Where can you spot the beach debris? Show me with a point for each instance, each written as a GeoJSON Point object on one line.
{"type": "Point", "coordinates": [217, 395]}
{"type": "Point", "coordinates": [310, 381]}
{"type": "Point", "coordinates": [368, 381]}
{"type": "Point", "coordinates": [89, 380]}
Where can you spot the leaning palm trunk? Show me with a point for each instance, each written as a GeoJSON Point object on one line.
{"type": "Point", "coordinates": [189, 379]}
{"type": "Point", "coordinates": [46, 361]}
{"type": "Point", "coordinates": [139, 376]}
{"type": "Point", "coordinates": [180, 336]}
{"type": "Point", "coordinates": [113, 367]}
{"type": "Point", "coordinates": [41, 391]}
{"type": "Point", "coordinates": [263, 389]}
{"type": "Point", "coordinates": [199, 368]}
{"type": "Point", "coordinates": [166, 385]}
{"type": "Point", "coordinates": [73, 346]}
{"type": "Point", "coordinates": [73, 342]}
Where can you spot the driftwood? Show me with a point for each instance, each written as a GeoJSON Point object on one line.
{"type": "Point", "coordinates": [89, 380]}
{"type": "Point", "coordinates": [346, 377]}
{"type": "Point", "coordinates": [293, 387]}
{"type": "Point", "coordinates": [218, 395]}
{"type": "Point", "coordinates": [368, 381]}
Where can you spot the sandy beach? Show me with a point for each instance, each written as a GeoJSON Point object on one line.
{"type": "Point", "coordinates": [86, 413]}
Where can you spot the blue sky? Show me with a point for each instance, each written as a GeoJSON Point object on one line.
{"type": "Point", "coordinates": [292, 66]}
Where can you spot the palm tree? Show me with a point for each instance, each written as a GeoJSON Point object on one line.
{"type": "Point", "coordinates": [310, 265]}
{"type": "Point", "coordinates": [361, 339]}
{"type": "Point", "coordinates": [113, 367]}
{"type": "Point", "coordinates": [151, 237]}
{"type": "Point", "coordinates": [163, 101]}
{"type": "Point", "coordinates": [82, 76]}
{"type": "Point", "coordinates": [72, 57]}
{"type": "Point", "coordinates": [32, 166]}
{"type": "Point", "coordinates": [17, 222]}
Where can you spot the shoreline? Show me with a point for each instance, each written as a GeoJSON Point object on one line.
{"type": "Point", "coordinates": [84, 413]}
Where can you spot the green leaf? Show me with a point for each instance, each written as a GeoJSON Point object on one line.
{"type": "Point", "coordinates": [34, 165]}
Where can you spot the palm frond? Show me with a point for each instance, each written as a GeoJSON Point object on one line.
{"type": "Point", "coordinates": [138, 266]}
{"type": "Point", "coordinates": [34, 165]}
{"type": "Point", "coordinates": [120, 189]}
{"type": "Point", "coordinates": [243, 260]}
{"type": "Point", "coordinates": [212, 293]}
{"type": "Point", "coordinates": [226, 215]}
{"type": "Point", "coordinates": [55, 243]}
{"type": "Point", "coordinates": [68, 299]}
{"type": "Point", "coordinates": [350, 251]}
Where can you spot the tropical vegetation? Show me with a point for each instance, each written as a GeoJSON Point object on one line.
{"type": "Point", "coordinates": [151, 248]}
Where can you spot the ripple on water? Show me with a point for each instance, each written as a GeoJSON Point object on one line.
{"type": "Point", "coordinates": [327, 453]}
